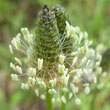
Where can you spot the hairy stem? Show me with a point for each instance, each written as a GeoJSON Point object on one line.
{"type": "Point", "coordinates": [63, 106]}
{"type": "Point", "coordinates": [92, 106]}
{"type": "Point", "coordinates": [49, 100]}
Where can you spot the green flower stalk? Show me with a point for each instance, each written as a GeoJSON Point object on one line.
{"type": "Point", "coordinates": [57, 60]}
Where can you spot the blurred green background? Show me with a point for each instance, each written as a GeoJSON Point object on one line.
{"type": "Point", "coordinates": [90, 15]}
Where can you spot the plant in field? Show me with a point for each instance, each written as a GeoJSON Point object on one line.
{"type": "Point", "coordinates": [57, 60]}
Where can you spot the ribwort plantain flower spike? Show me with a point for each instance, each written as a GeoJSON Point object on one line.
{"type": "Point", "coordinates": [57, 58]}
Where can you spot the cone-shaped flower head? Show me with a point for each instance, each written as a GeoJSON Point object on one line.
{"type": "Point", "coordinates": [46, 43]}
{"type": "Point", "coordinates": [60, 62]}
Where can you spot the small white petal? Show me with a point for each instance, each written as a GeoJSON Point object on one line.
{"type": "Point", "coordinates": [90, 53]}
{"type": "Point", "coordinates": [36, 92]}
{"type": "Point", "coordinates": [18, 61]}
{"type": "Point", "coordinates": [95, 79]}
{"type": "Point", "coordinates": [80, 38]}
{"type": "Point", "coordinates": [42, 84]}
{"type": "Point", "coordinates": [19, 69]}
{"type": "Point", "coordinates": [78, 101]}
{"type": "Point", "coordinates": [52, 91]}
{"type": "Point", "coordinates": [31, 71]}
{"type": "Point", "coordinates": [61, 69]}
{"type": "Point", "coordinates": [81, 50]}
{"type": "Point", "coordinates": [97, 64]}
{"type": "Point", "coordinates": [76, 79]}
{"type": "Point", "coordinates": [66, 71]}
{"type": "Point", "coordinates": [40, 64]}
{"type": "Point", "coordinates": [74, 53]}
{"type": "Point", "coordinates": [65, 89]}
{"type": "Point", "coordinates": [72, 31]}
{"type": "Point", "coordinates": [14, 77]}
{"type": "Point", "coordinates": [53, 82]}
{"type": "Point", "coordinates": [25, 33]}
{"type": "Point", "coordinates": [67, 25]}
{"type": "Point", "coordinates": [13, 66]}
{"type": "Point", "coordinates": [101, 48]}
{"type": "Point", "coordinates": [85, 35]}
{"type": "Point", "coordinates": [11, 49]}
{"type": "Point", "coordinates": [73, 71]}
{"type": "Point", "coordinates": [74, 61]}
{"type": "Point", "coordinates": [70, 95]}
{"type": "Point", "coordinates": [74, 88]}
{"type": "Point", "coordinates": [43, 97]}
{"type": "Point", "coordinates": [69, 30]}
{"type": "Point", "coordinates": [77, 29]}
{"type": "Point", "coordinates": [53, 100]}
{"type": "Point", "coordinates": [16, 42]}
{"type": "Point", "coordinates": [31, 81]}
{"type": "Point", "coordinates": [64, 79]}
{"type": "Point", "coordinates": [83, 61]}
{"type": "Point", "coordinates": [98, 57]}
{"type": "Point", "coordinates": [87, 90]}
{"type": "Point", "coordinates": [25, 86]}
{"type": "Point", "coordinates": [90, 43]}
{"type": "Point", "coordinates": [61, 59]}
{"type": "Point", "coordinates": [99, 70]}
{"type": "Point", "coordinates": [88, 63]}
{"type": "Point", "coordinates": [75, 39]}
{"type": "Point", "coordinates": [63, 99]}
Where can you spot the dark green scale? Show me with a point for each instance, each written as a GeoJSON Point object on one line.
{"type": "Point", "coordinates": [47, 36]}
{"type": "Point", "coordinates": [62, 17]}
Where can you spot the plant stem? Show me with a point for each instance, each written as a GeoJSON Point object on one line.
{"type": "Point", "coordinates": [92, 106]}
{"type": "Point", "coordinates": [63, 106]}
{"type": "Point", "coordinates": [49, 100]}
